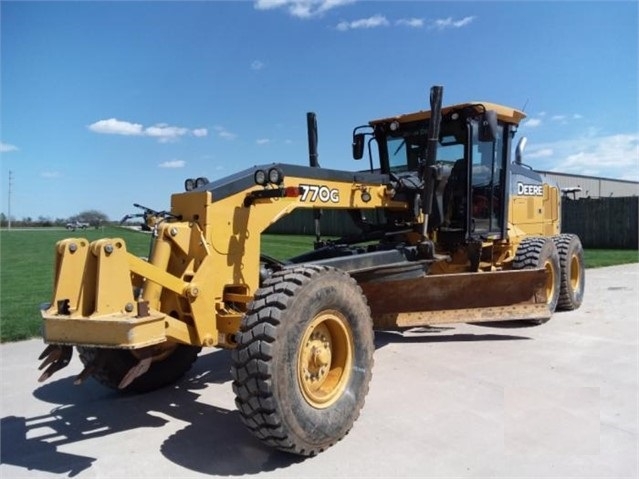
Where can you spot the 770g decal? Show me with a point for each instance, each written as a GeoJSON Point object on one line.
{"type": "Point", "coordinates": [323, 193]}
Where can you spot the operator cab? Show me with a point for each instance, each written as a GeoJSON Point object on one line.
{"type": "Point", "coordinates": [472, 157]}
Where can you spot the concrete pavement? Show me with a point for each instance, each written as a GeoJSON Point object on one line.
{"type": "Point", "coordinates": [558, 400]}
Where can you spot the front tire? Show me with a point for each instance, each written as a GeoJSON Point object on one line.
{"type": "Point", "coordinates": [170, 362]}
{"type": "Point", "coordinates": [304, 359]}
{"type": "Point", "coordinates": [573, 276]}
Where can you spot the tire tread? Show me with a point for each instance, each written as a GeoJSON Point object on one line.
{"type": "Point", "coordinates": [252, 370]}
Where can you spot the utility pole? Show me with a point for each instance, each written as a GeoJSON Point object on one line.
{"type": "Point", "coordinates": [9, 203]}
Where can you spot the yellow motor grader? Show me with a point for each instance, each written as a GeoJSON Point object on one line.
{"type": "Point", "coordinates": [451, 230]}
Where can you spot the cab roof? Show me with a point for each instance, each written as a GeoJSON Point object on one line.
{"type": "Point", "coordinates": [504, 113]}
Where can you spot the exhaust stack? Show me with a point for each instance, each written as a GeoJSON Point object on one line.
{"type": "Point", "coordinates": [313, 161]}
{"type": "Point", "coordinates": [429, 172]}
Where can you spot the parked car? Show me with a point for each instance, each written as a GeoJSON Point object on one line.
{"type": "Point", "coordinates": [75, 225]}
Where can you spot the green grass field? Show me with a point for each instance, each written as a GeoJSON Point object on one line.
{"type": "Point", "coordinates": [27, 262]}
{"type": "Point", "coordinates": [26, 268]}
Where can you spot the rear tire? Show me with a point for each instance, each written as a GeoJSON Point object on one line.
{"type": "Point", "coordinates": [304, 359]}
{"type": "Point", "coordinates": [573, 277]}
{"type": "Point", "coordinates": [538, 252]}
{"type": "Point", "coordinates": [112, 364]}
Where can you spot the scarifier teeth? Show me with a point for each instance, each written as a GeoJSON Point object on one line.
{"type": "Point", "coordinates": [55, 357]}
{"type": "Point", "coordinates": [136, 371]}
{"type": "Point", "coordinates": [99, 361]}
{"type": "Point", "coordinates": [46, 352]}
{"type": "Point", "coordinates": [86, 372]}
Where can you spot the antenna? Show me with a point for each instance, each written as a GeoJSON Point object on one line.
{"type": "Point", "coordinates": [9, 203]}
{"type": "Point", "coordinates": [523, 108]}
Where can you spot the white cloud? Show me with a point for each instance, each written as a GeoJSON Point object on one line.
{"type": "Point", "coordinates": [113, 126]}
{"type": "Point", "coordinates": [410, 22]}
{"type": "Point", "coordinates": [532, 123]}
{"type": "Point", "coordinates": [381, 21]}
{"type": "Point", "coordinates": [610, 151]}
{"type": "Point", "coordinates": [257, 65]}
{"type": "Point", "coordinates": [173, 164]}
{"type": "Point", "coordinates": [611, 156]}
{"type": "Point", "coordinates": [162, 131]}
{"type": "Point", "coordinates": [224, 133]}
{"type": "Point", "coordinates": [270, 4]}
{"type": "Point", "coordinates": [302, 8]}
{"type": "Point", "coordinates": [370, 22]}
{"type": "Point", "coordinates": [263, 141]}
{"type": "Point", "coordinates": [593, 131]}
{"type": "Point", "coordinates": [6, 147]}
{"type": "Point", "coordinates": [630, 176]}
{"type": "Point", "coordinates": [165, 133]}
{"type": "Point", "coordinates": [565, 119]}
{"type": "Point", "coordinates": [444, 23]}
{"type": "Point", "coordinates": [50, 174]}
{"type": "Point", "coordinates": [540, 153]}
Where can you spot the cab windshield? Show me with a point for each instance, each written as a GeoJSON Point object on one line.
{"type": "Point", "coordinates": [406, 148]}
{"type": "Point", "coordinates": [470, 190]}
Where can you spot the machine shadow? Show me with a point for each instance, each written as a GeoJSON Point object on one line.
{"type": "Point", "coordinates": [433, 334]}
{"type": "Point", "coordinates": [214, 441]}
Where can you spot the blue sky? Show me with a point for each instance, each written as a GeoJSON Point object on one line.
{"type": "Point", "coordinates": [104, 104]}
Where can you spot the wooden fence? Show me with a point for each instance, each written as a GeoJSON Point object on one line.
{"type": "Point", "coordinates": [599, 222]}
{"type": "Point", "coordinates": [603, 222]}
{"type": "Point", "coordinates": [302, 222]}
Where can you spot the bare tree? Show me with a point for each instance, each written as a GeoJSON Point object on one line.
{"type": "Point", "coordinates": [93, 217]}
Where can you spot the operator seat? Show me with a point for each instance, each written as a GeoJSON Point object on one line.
{"type": "Point", "coordinates": [455, 195]}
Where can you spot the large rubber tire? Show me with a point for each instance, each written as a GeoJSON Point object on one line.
{"type": "Point", "coordinates": [304, 359]}
{"type": "Point", "coordinates": [113, 364]}
{"type": "Point", "coordinates": [573, 276]}
{"type": "Point", "coordinates": [540, 252]}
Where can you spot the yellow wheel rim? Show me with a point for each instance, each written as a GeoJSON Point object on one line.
{"type": "Point", "coordinates": [575, 273]}
{"type": "Point", "coordinates": [325, 359]}
{"type": "Point", "coordinates": [550, 281]}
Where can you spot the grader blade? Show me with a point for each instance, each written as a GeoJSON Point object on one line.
{"type": "Point", "coordinates": [454, 298]}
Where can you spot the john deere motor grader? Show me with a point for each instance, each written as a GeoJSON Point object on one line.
{"type": "Point", "coordinates": [452, 231]}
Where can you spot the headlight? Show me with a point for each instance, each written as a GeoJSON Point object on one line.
{"type": "Point", "coordinates": [260, 177]}
{"type": "Point", "coordinates": [201, 181]}
{"type": "Point", "coordinates": [189, 184]}
{"type": "Point", "coordinates": [275, 176]}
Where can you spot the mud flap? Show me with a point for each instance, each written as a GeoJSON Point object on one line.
{"type": "Point", "coordinates": [455, 298]}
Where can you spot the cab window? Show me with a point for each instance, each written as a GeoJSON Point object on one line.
{"type": "Point", "coordinates": [486, 183]}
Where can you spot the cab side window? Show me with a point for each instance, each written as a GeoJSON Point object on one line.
{"type": "Point", "coordinates": [486, 178]}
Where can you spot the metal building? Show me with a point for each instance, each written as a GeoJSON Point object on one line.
{"type": "Point", "coordinates": [581, 186]}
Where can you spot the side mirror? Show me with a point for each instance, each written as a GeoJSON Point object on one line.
{"type": "Point", "coordinates": [488, 127]}
{"type": "Point", "coordinates": [358, 146]}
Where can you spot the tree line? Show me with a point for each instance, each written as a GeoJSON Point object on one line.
{"type": "Point", "coordinates": [94, 218]}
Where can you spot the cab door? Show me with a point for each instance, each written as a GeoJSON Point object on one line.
{"type": "Point", "coordinates": [486, 198]}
